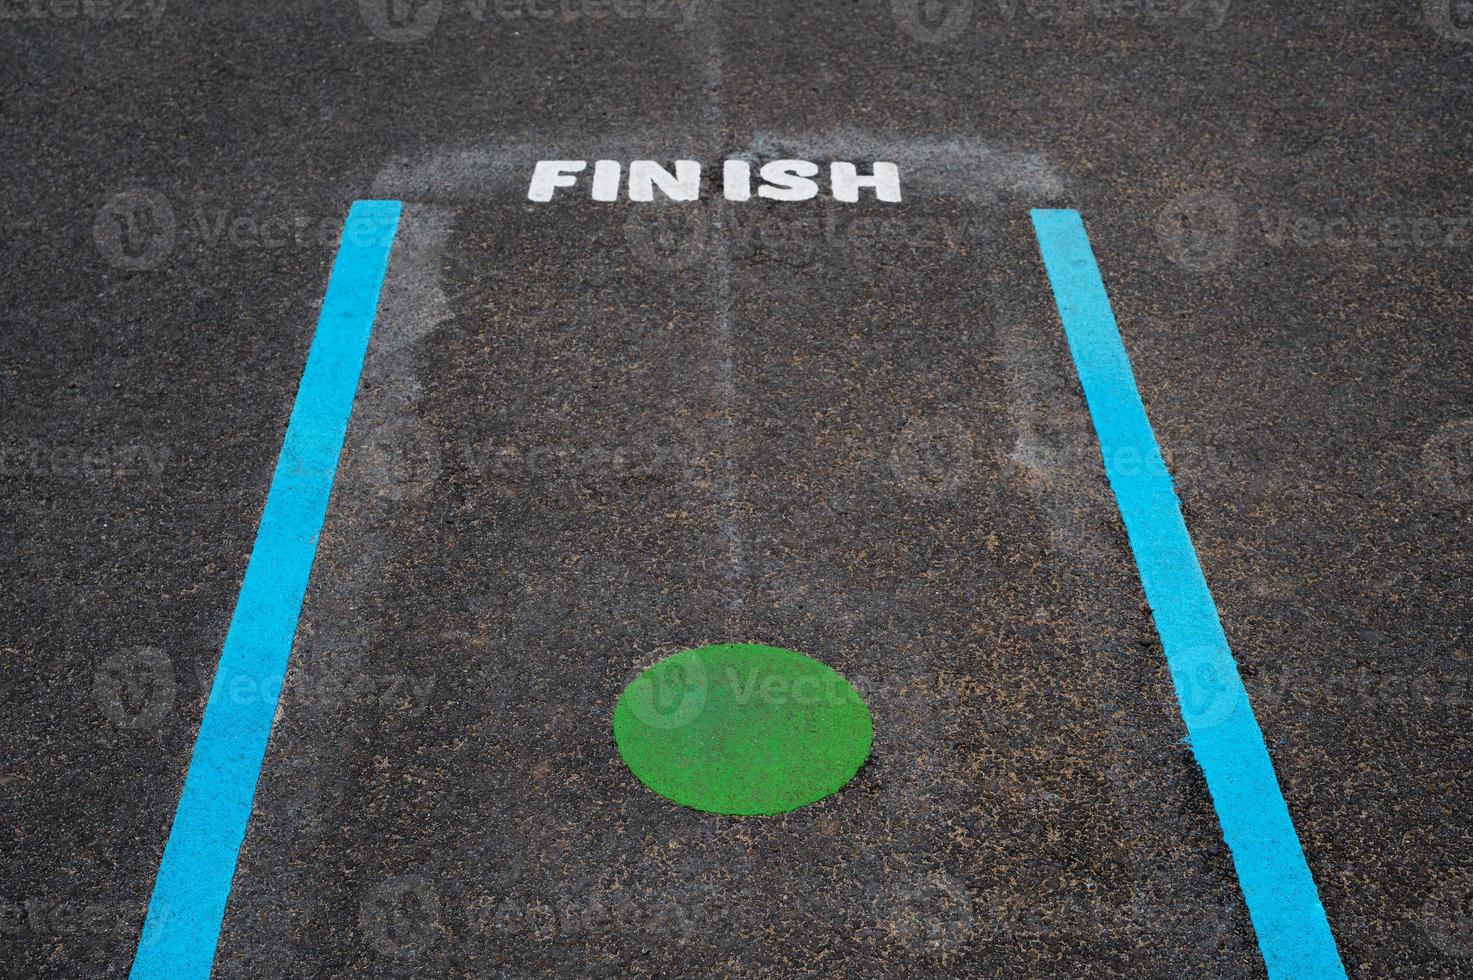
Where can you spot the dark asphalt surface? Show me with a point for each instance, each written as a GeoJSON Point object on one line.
{"type": "Point", "coordinates": [591, 435]}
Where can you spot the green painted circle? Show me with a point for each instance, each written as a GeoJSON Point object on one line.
{"type": "Point", "coordinates": [742, 729]}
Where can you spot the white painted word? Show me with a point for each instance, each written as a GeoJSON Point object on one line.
{"type": "Point", "coordinates": [782, 180]}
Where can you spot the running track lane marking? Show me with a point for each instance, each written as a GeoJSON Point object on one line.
{"type": "Point", "coordinates": [185, 913]}
{"type": "Point", "coordinates": [1293, 933]}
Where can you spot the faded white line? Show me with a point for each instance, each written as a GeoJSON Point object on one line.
{"type": "Point", "coordinates": [731, 531]}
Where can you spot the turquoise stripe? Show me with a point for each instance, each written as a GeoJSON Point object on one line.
{"type": "Point", "coordinates": [189, 895]}
{"type": "Point", "coordinates": [1293, 933]}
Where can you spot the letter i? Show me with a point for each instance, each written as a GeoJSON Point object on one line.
{"type": "Point", "coordinates": [737, 180]}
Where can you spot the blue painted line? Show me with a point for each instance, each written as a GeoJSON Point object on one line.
{"type": "Point", "coordinates": [187, 908]}
{"type": "Point", "coordinates": [1293, 933]}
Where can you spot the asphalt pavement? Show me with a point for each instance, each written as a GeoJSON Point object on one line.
{"type": "Point", "coordinates": [590, 434]}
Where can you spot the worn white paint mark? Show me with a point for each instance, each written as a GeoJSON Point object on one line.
{"type": "Point", "coordinates": [731, 531]}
